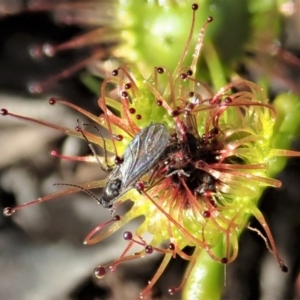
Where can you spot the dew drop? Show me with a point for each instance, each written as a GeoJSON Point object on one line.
{"type": "Point", "coordinates": [159, 103]}
{"type": "Point", "coordinates": [284, 268]}
{"type": "Point", "coordinates": [116, 218]}
{"type": "Point", "coordinates": [100, 272]}
{"type": "Point", "coordinates": [35, 87]}
{"type": "Point", "coordinates": [183, 76]}
{"type": "Point", "coordinates": [206, 214]}
{"type": "Point", "coordinates": [214, 130]}
{"type": "Point", "coordinates": [210, 19]}
{"type": "Point", "coordinates": [49, 50]}
{"type": "Point", "coordinates": [140, 186]}
{"type": "Point", "coordinates": [132, 110]}
{"type": "Point", "coordinates": [212, 202]}
{"type": "Point", "coordinates": [78, 129]}
{"type": "Point", "coordinates": [118, 160]}
{"type": "Point", "coordinates": [160, 70]}
{"type": "Point", "coordinates": [124, 94]}
{"type": "Point", "coordinates": [127, 235]}
{"type": "Point", "coordinates": [115, 73]}
{"type": "Point", "coordinates": [191, 106]}
{"type": "Point", "coordinates": [8, 211]}
{"type": "Point", "coordinates": [224, 260]}
{"type": "Point", "coordinates": [4, 112]}
{"type": "Point", "coordinates": [119, 137]}
{"type": "Point", "coordinates": [171, 290]}
{"type": "Point", "coordinates": [35, 51]}
{"type": "Point", "coordinates": [195, 6]}
{"type": "Point", "coordinates": [52, 101]}
{"type": "Point", "coordinates": [171, 246]}
{"type": "Point", "coordinates": [127, 86]}
{"type": "Point", "coordinates": [228, 100]}
{"type": "Point", "coordinates": [53, 153]}
{"type": "Point", "coordinates": [149, 249]}
{"type": "Point", "coordinates": [189, 72]}
{"type": "Point", "coordinates": [175, 113]}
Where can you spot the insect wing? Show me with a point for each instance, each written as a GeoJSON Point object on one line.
{"type": "Point", "coordinates": [143, 153]}
{"type": "Point", "coordinates": [115, 173]}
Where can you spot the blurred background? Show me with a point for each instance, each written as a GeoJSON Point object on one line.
{"type": "Point", "coordinates": [41, 251]}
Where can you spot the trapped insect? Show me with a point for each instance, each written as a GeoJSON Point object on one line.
{"type": "Point", "coordinates": [142, 154]}
{"type": "Point", "coordinates": [187, 154]}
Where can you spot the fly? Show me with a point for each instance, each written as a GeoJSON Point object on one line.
{"type": "Point", "coordinates": [141, 155]}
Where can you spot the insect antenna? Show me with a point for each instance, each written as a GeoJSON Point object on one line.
{"type": "Point", "coordinates": [80, 129]}
{"type": "Point", "coordinates": [92, 195]}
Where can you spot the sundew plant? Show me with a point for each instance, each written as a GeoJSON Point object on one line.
{"type": "Point", "coordinates": [220, 149]}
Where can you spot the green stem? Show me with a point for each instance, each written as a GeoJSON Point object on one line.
{"type": "Point", "coordinates": [207, 277]}
{"type": "Point", "coordinates": [286, 127]}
